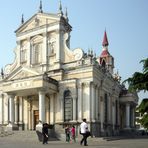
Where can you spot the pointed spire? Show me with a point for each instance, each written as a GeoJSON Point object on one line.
{"type": "Point", "coordinates": [40, 7]}
{"type": "Point", "coordinates": [105, 40]}
{"type": "Point", "coordinates": [22, 20]}
{"type": "Point", "coordinates": [66, 14]}
{"type": "Point", "coordinates": [60, 9]}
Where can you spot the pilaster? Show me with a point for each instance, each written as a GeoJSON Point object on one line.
{"type": "Point", "coordinates": [87, 101]}
{"type": "Point", "coordinates": [93, 102]}
{"type": "Point", "coordinates": [1, 109]}
{"type": "Point", "coordinates": [52, 109]}
{"type": "Point", "coordinates": [16, 110]}
{"type": "Point", "coordinates": [74, 108]}
{"type": "Point", "coordinates": [101, 111]}
{"type": "Point", "coordinates": [80, 102]}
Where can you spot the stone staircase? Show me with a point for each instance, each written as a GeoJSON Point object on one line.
{"type": "Point", "coordinates": [21, 135]}
{"type": "Point", "coordinates": [28, 136]}
{"type": "Point", "coordinates": [4, 133]}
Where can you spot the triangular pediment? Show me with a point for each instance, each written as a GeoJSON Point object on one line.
{"type": "Point", "coordinates": [38, 20]}
{"type": "Point", "coordinates": [21, 73]}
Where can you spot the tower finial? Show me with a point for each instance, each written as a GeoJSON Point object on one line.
{"type": "Point", "coordinates": [60, 8]}
{"type": "Point", "coordinates": [22, 20]}
{"type": "Point", "coordinates": [66, 14]}
{"type": "Point", "coordinates": [105, 40]}
{"type": "Point", "coordinates": [40, 7]}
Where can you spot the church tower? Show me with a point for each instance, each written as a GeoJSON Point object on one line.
{"type": "Point", "coordinates": [106, 60]}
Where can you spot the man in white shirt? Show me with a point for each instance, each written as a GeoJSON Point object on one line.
{"type": "Point", "coordinates": [83, 131]}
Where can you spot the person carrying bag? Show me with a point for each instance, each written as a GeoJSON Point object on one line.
{"type": "Point", "coordinates": [84, 132]}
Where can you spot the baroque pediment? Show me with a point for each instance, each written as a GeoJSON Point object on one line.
{"type": "Point", "coordinates": [22, 73]}
{"type": "Point", "coordinates": [38, 20]}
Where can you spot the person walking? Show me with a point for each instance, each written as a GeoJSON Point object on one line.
{"type": "Point", "coordinates": [67, 133]}
{"type": "Point", "coordinates": [73, 133]}
{"type": "Point", "coordinates": [45, 133]}
{"type": "Point", "coordinates": [83, 131]}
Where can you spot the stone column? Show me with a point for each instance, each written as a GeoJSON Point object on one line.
{"type": "Point", "coordinates": [20, 110]}
{"type": "Point", "coordinates": [11, 125]}
{"type": "Point", "coordinates": [62, 109]}
{"type": "Point", "coordinates": [58, 46]}
{"type": "Point", "coordinates": [44, 52]}
{"type": "Point", "coordinates": [74, 108]}
{"type": "Point", "coordinates": [97, 103]}
{"type": "Point", "coordinates": [44, 48]}
{"type": "Point", "coordinates": [133, 117]}
{"type": "Point", "coordinates": [52, 109]}
{"type": "Point", "coordinates": [109, 108]}
{"type": "Point", "coordinates": [93, 102]}
{"type": "Point", "coordinates": [11, 109]}
{"type": "Point", "coordinates": [16, 110]}
{"type": "Point", "coordinates": [127, 115]}
{"type": "Point", "coordinates": [42, 106]}
{"type": "Point", "coordinates": [1, 109]}
{"type": "Point", "coordinates": [41, 110]}
{"type": "Point", "coordinates": [30, 112]}
{"type": "Point", "coordinates": [87, 101]}
{"type": "Point", "coordinates": [113, 115]}
{"type": "Point", "coordinates": [20, 113]}
{"type": "Point", "coordinates": [6, 109]}
{"type": "Point", "coordinates": [101, 111]}
{"type": "Point", "coordinates": [80, 102]}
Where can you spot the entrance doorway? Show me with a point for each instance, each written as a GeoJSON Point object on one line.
{"type": "Point", "coordinates": [36, 118]}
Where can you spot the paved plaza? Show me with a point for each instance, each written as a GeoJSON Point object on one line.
{"type": "Point", "coordinates": [12, 141]}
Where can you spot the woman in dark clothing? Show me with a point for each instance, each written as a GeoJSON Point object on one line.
{"type": "Point", "coordinates": [67, 133]}
{"type": "Point", "coordinates": [45, 133]}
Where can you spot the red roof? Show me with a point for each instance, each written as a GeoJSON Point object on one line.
{"type": "Point", "coordinates": [105, 40]}
{"type": "Point", "coordinates": [104, 53]}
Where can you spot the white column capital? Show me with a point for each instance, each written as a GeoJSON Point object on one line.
{"type": "Point", "coordinates": [42, 91]}
{"type": "Point", "coordinates": [11, 95]}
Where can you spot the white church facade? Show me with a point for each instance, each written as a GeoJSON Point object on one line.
{"type": "Point", "coordinates": [49, 82]}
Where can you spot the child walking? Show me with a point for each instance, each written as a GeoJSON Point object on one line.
{"type": "Point", "coordinates": [73, 133]}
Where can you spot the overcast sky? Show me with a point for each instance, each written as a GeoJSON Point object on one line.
{"type": "Point", "coordinates": [126, 23]}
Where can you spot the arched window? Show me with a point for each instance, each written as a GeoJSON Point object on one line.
{"type": "Point", "coordinates": [68, 106]}
{"type": "Point", "coordinates": [103, 63]}
{"type": "Point", "coordinates": [36, 51]}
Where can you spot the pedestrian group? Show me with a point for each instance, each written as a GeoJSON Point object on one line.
{"type": "Point", "coordinates": [70, 133]}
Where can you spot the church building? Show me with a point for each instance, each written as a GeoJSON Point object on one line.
{"type": "Point", "coordinates": [50, 83]}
